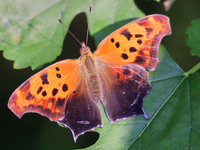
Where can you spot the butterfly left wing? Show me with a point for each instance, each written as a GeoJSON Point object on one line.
{"type": "Point", "coordinates": [59, 92]}
{"type": "Point", "coordinates": [135, 43]}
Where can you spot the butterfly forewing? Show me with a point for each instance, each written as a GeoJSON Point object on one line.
{"type": "Point", "coordinates": [46, 92]}
{"type": "Point", "coordinates": [135, 43]}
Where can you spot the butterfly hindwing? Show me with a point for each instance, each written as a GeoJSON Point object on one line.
{"type": "Point", "coordinates": [82, 112]}
{"type": "Point", "coordinates": [124, 90]}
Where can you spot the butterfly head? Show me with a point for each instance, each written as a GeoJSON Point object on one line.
{"type": "Point", "coordinates": [84, 50]}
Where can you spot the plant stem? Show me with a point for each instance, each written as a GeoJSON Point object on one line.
{"type": "Point", "coordinates": [193, 70]}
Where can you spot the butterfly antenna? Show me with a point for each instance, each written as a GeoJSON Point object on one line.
{"type": "Point", "coordinates": [88, 26]}
{"type": "Point", "coordinates": [69, 31]}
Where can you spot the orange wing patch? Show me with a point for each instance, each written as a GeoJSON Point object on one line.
{"type": "Point", "coordinates": [47, 91]}
{"type": "Point", "coordinates": [136, 43]}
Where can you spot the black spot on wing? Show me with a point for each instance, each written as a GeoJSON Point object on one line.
{"type": "Point", "coordinates": [39, 89]}
{"type": "Point", "coordinates": [127, 34]}
{"type": "Point", "coordinates": [132, 49]}
{"type": "Point", "coordinates": [54, 91]}
{"type": "Point", "coordinates": [58, 75]}
{"type": "Point", "coordinates": [44, 93]}
{"type": "Point", "coordinates": [112, 40]}
{"type": "Point", "coordinates": [44, 78]}
{"type": "Point", "coordinates": [29, 96]}
{"type": "Point", "coordinates": [139, 42]}
{"type": "Point", "coordinates": [117, 45]}
{"type": "Point", "coordinates": [124, 56]}
{"type": "Point", "coordinates": [64, 87]}
{"type": "Point", "coordinates": [57, 69]}
{"type": "Point", "coordinates": [138, 35]}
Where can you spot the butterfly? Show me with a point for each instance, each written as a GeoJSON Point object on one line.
{"type": "Point", "coordinates": [69, 92]}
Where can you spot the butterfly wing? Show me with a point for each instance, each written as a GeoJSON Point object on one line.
{"type": "Point", "coordinates": [46, 91]}
{"type": "Point", "coordinates": [59, 92]}
{"type": "Point", "coordinates": [137, 42]}
{"type": "Point", "coordinates": [126, 54]}
{"type": "Point", "coordinates": [82, 112]}
{"type": "Point", "coordinates": [124, 90]}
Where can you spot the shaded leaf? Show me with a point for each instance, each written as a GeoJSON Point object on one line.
{"type": "Point", "coordinates": [31, 36]}
{"type": "Point", "coordinates": [193, 39]}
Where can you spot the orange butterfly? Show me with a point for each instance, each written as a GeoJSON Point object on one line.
{"type": "Point", "coordinates": [69, 91]}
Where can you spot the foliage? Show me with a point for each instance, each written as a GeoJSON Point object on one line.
{"type": "Point", "coordinates": [31, 36]}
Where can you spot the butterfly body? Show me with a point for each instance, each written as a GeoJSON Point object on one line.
{"type": "Point", "coordinates": [89, 64]}
{"type": "Point", "coordinates": [70, 91]}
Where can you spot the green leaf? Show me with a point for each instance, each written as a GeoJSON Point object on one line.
{"type": "Point", "coordinates": [193, 39]}
{"type": "Point", "coordinates": [168, 108]}
{"type": "Point", "coordinates": [31, 35]}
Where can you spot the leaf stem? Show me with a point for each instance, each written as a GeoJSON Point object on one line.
{"type": "Point", "coordinates": [193, 70]}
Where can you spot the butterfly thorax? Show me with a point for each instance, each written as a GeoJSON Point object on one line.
{"type": "Point", "coordinates": [87, 59]}
{"type": "Point", "coordinates": [88, 62]}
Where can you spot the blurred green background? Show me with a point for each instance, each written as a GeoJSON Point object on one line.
{"type": "Point", "coordinates": [37, 132]}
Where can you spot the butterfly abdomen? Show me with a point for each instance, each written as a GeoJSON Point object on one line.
{"type": "Point", "coordinates": [95, 87]}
